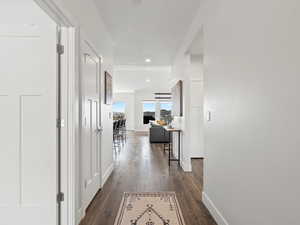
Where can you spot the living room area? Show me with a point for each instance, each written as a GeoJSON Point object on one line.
{"type": "Point", "coordinates": [134, 97]}
{"type": "Point", "coordinates": [164, 103]}
{"type": "Point", "coordinates": [168, 111]}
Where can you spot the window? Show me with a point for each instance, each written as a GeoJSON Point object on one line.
{"type": "Point", "coordinates": [148, 111]}
{"type": "Point", "coordinates": [166, 111]}
{"type": "Point", "coordinates": [118, 110]}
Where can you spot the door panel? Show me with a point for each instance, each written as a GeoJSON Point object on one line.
{"type": "Point", "coordinates": [95, 142]}
{"type": "Point", "coordinates": [90, 114]}
{"type": "Point", "coordinates": [94, 137]}
{"type": "Point", "coordinates": [32, 159]}
{"type": "Point", "coordinates": [28, 127]}
{"type": "Point", "coordinates": [9, 189]}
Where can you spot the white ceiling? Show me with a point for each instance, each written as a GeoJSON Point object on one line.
{"type": "Point", "coordinates": [197, 45]}
{"type": "Point", "coordinates": [135, 78]}
{"type": "Point", "coordinates": [147, 28]}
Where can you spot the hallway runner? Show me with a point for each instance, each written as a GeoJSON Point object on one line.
{"type": "Point", "coordinates": [157, 208]}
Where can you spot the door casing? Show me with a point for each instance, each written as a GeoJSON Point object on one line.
{"type": "Point", "coordinates": [69, 93]}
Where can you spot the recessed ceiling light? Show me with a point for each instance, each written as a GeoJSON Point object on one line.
{"type": "Point", "coordinates": [147, 60]}
{"type": "Point", "coordinates": [147, 80]}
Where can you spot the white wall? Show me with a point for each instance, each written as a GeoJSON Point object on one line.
{"type": "Point", "coordinates": [88, 20]}
{"type": "Point", "coordinates": [196, 115]}
{"type": "Point", "coordinates": [252, 89]}
{"type": "Point", "coordinates": [129, 100]}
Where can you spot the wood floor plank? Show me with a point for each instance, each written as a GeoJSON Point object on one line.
{"type": "Point", "coordinates": [143, 167]}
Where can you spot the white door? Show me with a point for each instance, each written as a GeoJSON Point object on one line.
{"type": "Point", "coordinates": [91, 121]}
{"type": "Point", "coordinates": [28, 122]}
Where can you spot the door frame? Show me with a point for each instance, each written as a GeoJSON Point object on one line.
{"type": "Point", "coordinates": [69, 94]}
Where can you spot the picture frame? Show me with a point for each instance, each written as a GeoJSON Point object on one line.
{"type": "Point", "coordinates": [177, 99]}
{"type": "Point", "coordinates": [108, 88]}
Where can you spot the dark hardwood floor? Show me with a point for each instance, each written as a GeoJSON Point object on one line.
{"type": "Point", "coordinates": [142, 167]}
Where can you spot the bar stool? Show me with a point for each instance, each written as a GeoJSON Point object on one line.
{"type": "Point", "coordinates": [123, 129]}
{"type": "Point", "coordinates": [116, 141]}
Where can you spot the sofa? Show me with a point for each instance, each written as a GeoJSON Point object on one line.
{"type": "Point", "coordinates": [158, 134]}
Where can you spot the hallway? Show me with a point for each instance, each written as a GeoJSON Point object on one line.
{"type": "Point", "coordinates": [141, 167]}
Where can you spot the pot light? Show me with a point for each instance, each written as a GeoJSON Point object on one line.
{"type": "Point", "coordinates": [148, 80]}
{"type": "Point", "coordinates": [148, 60]}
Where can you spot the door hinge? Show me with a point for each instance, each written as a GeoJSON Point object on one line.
{"type": "Point", "coordinates": [60, 197]}
{"type": "Point", "coordinates": [60, 49]}
{"type": "Point", "coordinates": [60, 123]}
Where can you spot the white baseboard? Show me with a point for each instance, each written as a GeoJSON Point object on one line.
{"type": "Point", "coordinates": [80, 215]}
{"type": "Point", "coordinates": [213, 210]}
{"type": "Point", "coordinates": [81, 212]}
{"type": "Point", "coordinates": [107, 173]}
{"type": "Point", "coordinates": [186, 166]}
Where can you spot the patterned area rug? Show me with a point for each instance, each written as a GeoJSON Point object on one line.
{"type": "Point", "coordinates": [160, 208]}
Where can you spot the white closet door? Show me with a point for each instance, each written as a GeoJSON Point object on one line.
{"type": "Point", "coordinates": [28, 124]}
{"type": "Point", "coordinates": [90, 128]}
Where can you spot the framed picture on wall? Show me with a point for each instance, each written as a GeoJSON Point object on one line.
{"type": "Point", "coordinates": [177, 108]}
{"type": "Point", "coordinates": [108, 89]}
